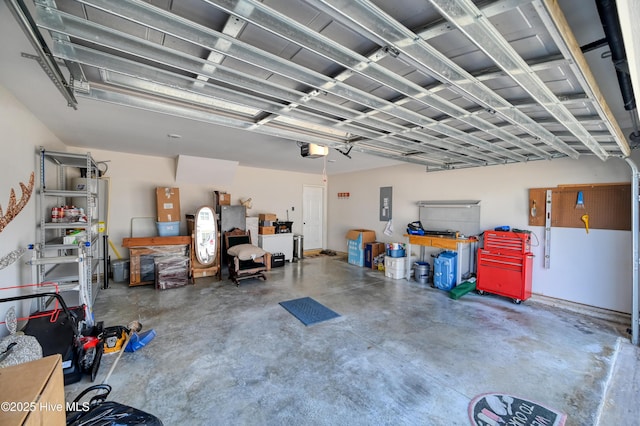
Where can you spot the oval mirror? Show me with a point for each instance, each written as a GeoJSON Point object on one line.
{"type": "Point", "coordinates": [206, 230]}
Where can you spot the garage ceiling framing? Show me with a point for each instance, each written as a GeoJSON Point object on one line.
{"type": "Point", "coordinates": [445, 84]}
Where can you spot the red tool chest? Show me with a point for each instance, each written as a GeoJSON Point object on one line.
{"type": "Point", "coordinates": [504, 265]}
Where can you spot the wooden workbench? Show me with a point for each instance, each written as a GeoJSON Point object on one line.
{"type": "Point", "coordinates": [145, 246]}
{"type": "Point", "coordinates": [465, 248]}
{"type": "Point", "coordinates": [446, 243]}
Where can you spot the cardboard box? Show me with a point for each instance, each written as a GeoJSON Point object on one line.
{"type": "Point", "coordinates": [355, 253]}
{"type": "Point", "coordinates": [221, 198]}
{"type": "Point", "coordinates": [362, 236]}
{"type": "Point", "coordinates": [266, 230]}
{"type": "Point", "coordinates": [371, 251]}
{"type": "Point", "coordinates": [38, 384]}
{"type": "Point", "coordinates": [267, 216]}
{"type": "Point", "coordinates": [168, 204]}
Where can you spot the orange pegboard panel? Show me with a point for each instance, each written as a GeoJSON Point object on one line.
{"type": "Point", "coordinates": [537, 205]}
{"type": "Point", "coordinates": [608, 206]}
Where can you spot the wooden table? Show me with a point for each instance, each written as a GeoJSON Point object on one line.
{"type": "Point", "coordinates": [145, 246]}
{"type": "Point", "coordinates": [463, 246]}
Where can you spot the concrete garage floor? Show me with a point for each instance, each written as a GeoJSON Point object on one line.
{"type": "Point", "coordinates": [401, 353]}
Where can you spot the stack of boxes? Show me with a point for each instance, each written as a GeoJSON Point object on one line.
{"type": "Point", "coordinates": [395, 261]}
{"type": "Point", "coordinates": [221, 198]}
{"type": "Point", "coordinates": [364, 250]}
{"type": "Point", "coordinates": [167, 269]}
{"type": "Point", "coordinates": [357, 240]}
{"type": "Point", "coordinates": [168, 207]}
{"type": "Point", "coordinates": [266, 223]}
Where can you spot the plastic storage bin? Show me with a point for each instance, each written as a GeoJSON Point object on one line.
{"type": "Point", "coordinates": [444, 270]}
{"type": "Point", "coordinates": [168, 229]}
{"type": "Point", "coordinates": [396, 253]}
{"type": "Point", "coordinates": [396, 249]}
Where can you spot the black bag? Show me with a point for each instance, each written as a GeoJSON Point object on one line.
{"type": "Point", "coordinates": [99, 412]}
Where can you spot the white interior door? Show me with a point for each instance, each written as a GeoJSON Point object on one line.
{"type": "Point", "coordinates": [312, 216]}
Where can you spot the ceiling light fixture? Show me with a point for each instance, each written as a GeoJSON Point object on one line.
{"type": "Point", "coordinates": [174, 136]}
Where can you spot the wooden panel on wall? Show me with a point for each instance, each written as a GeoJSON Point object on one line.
{"type": "Point", "coordinates": [537, 199]}
{"type": "Point", "coordinates": [608, 206]}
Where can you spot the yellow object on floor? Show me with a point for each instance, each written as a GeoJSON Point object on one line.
{"type": "Point", "coordinates": [113, 338]}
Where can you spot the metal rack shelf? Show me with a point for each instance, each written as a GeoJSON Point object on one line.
{"type": "Point", "coordinates": [67, 193]}
{"type": "Point", "coordinates": [74, 267]}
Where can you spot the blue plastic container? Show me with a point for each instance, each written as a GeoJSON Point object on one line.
{"type": "Point", "coordinates": [444, 270]}
{"type": "Point", "coordinates": [396, 253]}
{"type": "Point", "coordinates": [168, 229]}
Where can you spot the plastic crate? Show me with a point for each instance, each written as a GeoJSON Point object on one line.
{"type": "Point", "coordinates": [168, 229]}
{"type": "Point", "coordinates": [396, 249]}
{"type": "Point", "coordinates": [396, 253]}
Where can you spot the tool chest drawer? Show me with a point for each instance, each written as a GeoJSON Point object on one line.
{"type": "Point", "coordinates": [506, 275]}
{"type": "Point", "coordinates": [507, 241]}
{"type": "Point", "coordinates": [492, 260]}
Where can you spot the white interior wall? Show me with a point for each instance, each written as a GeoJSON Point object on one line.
{"type": "Point", "coordinates": [23, 134]}
{"type": "Point", "coordinates": [592, 269]}
{"type": "Point", "coordinates": [133, 179]}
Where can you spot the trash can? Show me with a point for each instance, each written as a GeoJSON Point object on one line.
{"type": "Point", "coordinates": [421, 272]}
{"type": "Point", "coordinates": [298, 249]}
{"type": "Point", "coordinates": [120, 270]}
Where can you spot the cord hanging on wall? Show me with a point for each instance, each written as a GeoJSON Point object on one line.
{"type": "Point", "coordinates": [324, 170]}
